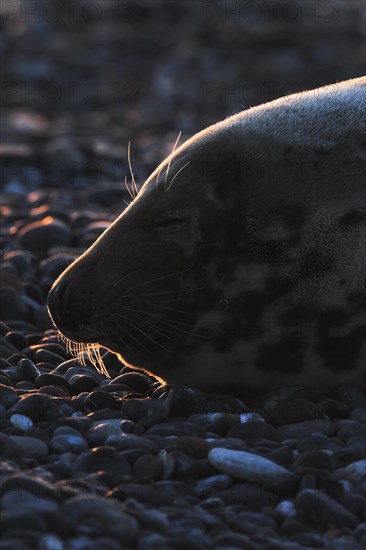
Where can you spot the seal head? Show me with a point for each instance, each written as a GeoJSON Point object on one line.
{"type": "Point", "coordinates": [241, 263]}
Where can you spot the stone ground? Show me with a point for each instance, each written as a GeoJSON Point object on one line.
{"type": "Point", "coordinates": [90, 462]}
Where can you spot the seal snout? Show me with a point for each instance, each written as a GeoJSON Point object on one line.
{"type": "Point", "coordinates": [58, 308]}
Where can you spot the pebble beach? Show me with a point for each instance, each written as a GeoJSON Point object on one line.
{"type": "Point", "coordinates": [124, 462]}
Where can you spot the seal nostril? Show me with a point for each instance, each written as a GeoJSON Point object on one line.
{"type": "Point", "coordinates": [55, 301]}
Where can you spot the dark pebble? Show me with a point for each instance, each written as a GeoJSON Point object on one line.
{"type": "Point", "coordinates": [225, 404]}
{"type": "Point", "coordinates": [251, 431]}
{"type": "Point", "coordinates": [291, 412]}
{"type": "Point", "coordinates": [318, 441]}
{"type": "Point", "coordinates": [11, 519]}
{"type": "Point", "coordinates": [177, 427]}
{"type": "Point", "coordinates": [4, 363]}
{"type": "Point", "coordinates": [103, 458]}
{"type": "Point", "coordinates": [36, 406]}
{"type": "Point", "coordinates": [189, 468]}
{"type": "Point", "coordinates": [315, 462]}
{"type": "Point", "coordinates": [12, 306]}
{"type": "Point", "coordinates": [79, 423]}
{"type": "Point", "coordinates": [219, 423]}
{"type": "Point", "coordinates": [109, 517]}
{"type": "Point", "coordinates": [34, 292]}
{"type": "Point", "coordinates": [33, 339]}
{"type": "Point", "coordinates": [124, 442]}
{"type": "Point", "coordinates": [31, 447]}
{"type": "Point", "coordinates": [7, 347]}
{"type": "Point", "coordinates": [17, 339]}
{"type": "Point", "coordinates": [249, 494]}
{"type": "Point", "coordinates": [318, 509]}
{"type": "Point", "coordinates": [55, 265]}
{"type": "Point", "coordinates": [5, 381]}
{"type": "Point", "coordinates": [146, 412]}
{"type": "Point", "coordinates": [358, 414]}
{"type": "Point", "coordinates": [134, 380]}
{"type": "Point", "coordinates": [143, 493]}
{"type": "Point", "coordinates": [177, 490]}
{"type": "Point", "coordinates": [184, 401]}
{"type": "Point", "coordinates": [52, 347]}
{"type": "Point", "coordinates": [292, 526]}
{"type": "Point", "coordinates": [14, 359]}
{"type": "Point", "coordinates": [309, 540]}
{"type": "Point", "coordinates": [38, 433]}
{"type": "Point", "coordinates": [8, 396]}
{"type": "Point", "coordinates": [72, 443]}
{"type": "Point", "coordinates": [131, 455]}
{"type": "Point", "coordinates": [106, 414]}
{"type": "Point", "coordinates": [304, 429]}
{"type": "Point", "coordinates": [349, 428]}
{"type": "Point", "coordinates": [43, 234]}
{"type": "Point", "coordinates": [72, 367]}
{"type": "Point", "coordinates": [4, 329]}
{"type": "Point", "coordinates": [82, 383]}
{"type": "Point", "coordinates": [193, 446]}
{"type": "Point", "coordinates": [100, 399]}
{"type": "Point", "coordinates": [9, 448]}
{"type": "Point", "coordinates": [333, 408]}
{"type": "Point", "coordinates": [147, 468]}
{"type": "Point", "coordinates": [24, 387]}
{"type": "Point", "coordinates": [49, 379]}
{"type": "Point", "coordinates": [282, 455]}
{"type": "Point", "coordinates": [24, 482]}
{"type": "Point", "coordinates": [46, 356]}
{"type": "Point", "coordinates": [350, 395]}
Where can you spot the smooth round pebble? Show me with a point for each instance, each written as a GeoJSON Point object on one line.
{"type": "Point", "coordinates": [247, 466]}
{"type": "Point", "coordinates": [21, 421]}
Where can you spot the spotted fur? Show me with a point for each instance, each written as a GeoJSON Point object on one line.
{"type": "Point", "coordinates": [242, 261]}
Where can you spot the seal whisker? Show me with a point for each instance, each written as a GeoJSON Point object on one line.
{"type": "Point", "coordinates": [181, 290]}
{"type": "Point", "coordinates": [161, 331]}
{"type": "Point", "coordinates": [171, 155]}
{"type": "Point", "coordinates": [92, 350]}
{"type": "Point", "coordinates": [179, 171]}
{"type": "Point", "coordinates": [164, 300]}
{"type": "Point", "coordinates": [125, 276]}
{"type": "Point", "coordinates": [172, 325]}
{"type": "Point", "coordinates": [161, 317]}
{"type": "Point", "coordinates": [116, 333]}
{"type": "Point", "coordinates": [173, 309]}
{"type": "Point", "coordinates": [128, 189]}
{"type": "Point", "coordinates": [160, 278]}
{"type": "Point", "coordinates": [134, 186]}
{"type": "Point", "coordinates": [131, 335]}
{"type": "Point", "coordinates": [146, 335]}
{"type": "Point", "coordinates": [154, 315]}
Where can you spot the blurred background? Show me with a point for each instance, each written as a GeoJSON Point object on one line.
{"type": "Point", "coordinates": [81, 79]}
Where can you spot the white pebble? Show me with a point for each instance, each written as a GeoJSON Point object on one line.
{"type": "Point", "coordinates": [251, 417]}
{"type": "Point", "coordinates": [247, 466]}
{"type": "Point", "coordinates": [286, 508]}
{"type": "Point", "coordinates": [21, 421]}
{"type": "Point", "coordinates": [357, 469]}
{"type": "Point", "coordinates": [50, 542]}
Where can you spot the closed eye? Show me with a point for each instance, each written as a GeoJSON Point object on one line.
{"type": "Point", "coordinates": [170, 224]}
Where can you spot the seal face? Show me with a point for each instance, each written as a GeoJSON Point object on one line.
{"type": "Point", "coordinates": [241, 264]}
